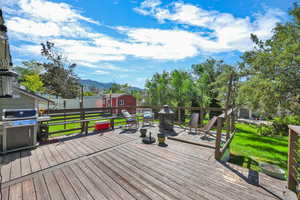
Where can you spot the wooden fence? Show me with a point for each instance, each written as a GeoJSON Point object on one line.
{"type": "Point", "coordinates": [293, 158]}
{"type": "Point", "coordinates": [84, 115]}
{"type": "Point", "coordinates": [227, 121]}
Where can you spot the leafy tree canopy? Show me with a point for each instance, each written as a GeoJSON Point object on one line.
{"type": "Point", "coordinates": [272, 70]}
{"type": "Point", "coordinates": [59, 77]}
{"type": "Point", "coordinates": [33, 83]}
{"type": "Point", "coordinates": [29, 76]}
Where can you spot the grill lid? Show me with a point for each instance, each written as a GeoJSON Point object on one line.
{"type": "Point", "coordinates": [13, 114]}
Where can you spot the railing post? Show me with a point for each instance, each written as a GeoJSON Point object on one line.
{"type": "Point", "coordinates": [179, 115]}
{"type": "Point", "coordinates": [218, 138]}
{"type": "Point", "coordinates": [231, 122]}
{"type": "Point", "coordinates": [201, 117]}
{"type": "Point", "coordinates": [292, 183]}
{"type": "Point", "coordinates": [65, 125]}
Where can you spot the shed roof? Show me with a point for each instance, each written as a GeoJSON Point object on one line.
{"type": "Point", "coordinates": [35, 96]}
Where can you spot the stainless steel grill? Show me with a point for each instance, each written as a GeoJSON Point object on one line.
{"type": "Point", "coordinates": [18, 130]}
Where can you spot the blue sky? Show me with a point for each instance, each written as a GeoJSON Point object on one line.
{"type": "Point", "coordinates": [127, 41]}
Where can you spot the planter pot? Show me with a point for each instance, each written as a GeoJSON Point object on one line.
{"type": "Point", "coordinates": [161, 139]}
{"type": "Point", "coordinates": [148, 140]}
{"type": "Point", "coordinates": [272, 170]}
{"type": "Point", "coordinates": [143, 132]}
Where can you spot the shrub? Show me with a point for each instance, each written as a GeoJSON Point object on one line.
{"type": "Point", "coordinates": [279, 126]}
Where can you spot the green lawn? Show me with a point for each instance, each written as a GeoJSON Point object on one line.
{"type": "Point", "coordinates": [118, 122]}
{"type": "Point", "coordinates": [248, 148]}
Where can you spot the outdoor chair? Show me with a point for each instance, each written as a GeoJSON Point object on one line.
{"type": "Point", "coordinates": [194, 122]}
{"type": "Point", "coordinates": [130, 120]}
{"type": "Point", "coordinates": [148, 117]}
{"type": "Point", "coordinates": [206, 129]}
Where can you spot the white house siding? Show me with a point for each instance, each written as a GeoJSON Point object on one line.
{"type": "Point", "coordinates": [19, 102]}
{"type": "Point", "coordinates": [88, 102]}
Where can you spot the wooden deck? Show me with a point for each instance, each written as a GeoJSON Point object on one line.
{"type": "Point", "coordinates": [119, 166]}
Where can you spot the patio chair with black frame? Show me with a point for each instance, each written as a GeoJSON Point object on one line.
{"type": "Point", "coordinates": [148, 117]}
{"type": "Point", "coordinates": [130, 119]}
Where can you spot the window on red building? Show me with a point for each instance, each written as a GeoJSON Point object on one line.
{"type": "Point", "coordinates": [121, 102]}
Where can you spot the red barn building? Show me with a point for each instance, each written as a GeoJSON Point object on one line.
{"type": "Point", "coordinates": [120, 100]}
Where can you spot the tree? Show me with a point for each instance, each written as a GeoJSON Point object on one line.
{"type": "Point", "coordinates": [158, 89]}
{"type": "Point", "coordinates": [94, 89]}
{"type": "Point", "coordinates": [88, 93]}
{"type": "Point", "coordinates": [272, 70]}
{"type": "Point", "coordinates": [29, 76]}
{"type": "Point", "coordinates": [29, 68]}
{"type": "Point", "coordinates": [33, 83]}
{"type": "Point", "coordinates": [207, 73]}
{"type": "Point", "coordinates": [118, 88]}
{"type": "Point", "coordinates": [59, 78]}
{"type": "Point", "coordinates": [138, 94]}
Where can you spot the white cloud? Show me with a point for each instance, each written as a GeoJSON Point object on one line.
{"type": "Point", "coordinates": [47, 10]}
{"type": "Point", "coordinates": [24, 26]}
{"type": "Point", "coordinates": [105, 66]}
{"type": "Point", "coordinates": [226, 32]}
{"type": "Point", "coordinates": [35, 23]}
{"type": "Point", "coordinates": [159, 44]}
{"type": "Point", "coordinates": [101, 72]}
{"type": "Point", "coordinates": [150, 3]}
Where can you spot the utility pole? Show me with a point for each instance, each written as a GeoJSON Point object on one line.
{"type": "Point", "coordinates": [81, 109]}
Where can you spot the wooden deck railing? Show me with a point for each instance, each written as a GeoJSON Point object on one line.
{"type": "Point", "coordinates": [229, 121]}
{"type": "Point", "coordinates": [293, 158]}
{"type": "Point", "coordinates": [76, 116]}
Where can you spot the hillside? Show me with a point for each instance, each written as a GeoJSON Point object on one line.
{"type": "Point", "coordinates": [88, 83]}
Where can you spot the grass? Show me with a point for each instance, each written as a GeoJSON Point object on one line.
{"type": "Point", "coordinates": [248, 148]}
{"type": "Point", "coordinates": [54, 128]}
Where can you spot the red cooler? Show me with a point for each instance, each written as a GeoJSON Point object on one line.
{"type": "Point", "coordinates": [102, 125]}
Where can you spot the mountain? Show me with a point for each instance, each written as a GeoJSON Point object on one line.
{"type": "Point", "coordinates": [88, 83]}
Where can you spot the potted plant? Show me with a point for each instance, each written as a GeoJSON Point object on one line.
{"type": "Point", "coordinates": [143, 132]}
{"type": "Point", "coordinates": [161, 139]}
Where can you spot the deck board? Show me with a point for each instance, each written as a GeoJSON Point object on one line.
{"type": "Point", "coordinates": [53, 186]}
{"type": "Point", "coordinates": [118, 166]}
{"type": "Point", "coordinates": [134, 191]}
{"type": "Point", "coordinates": [25, 162]}
{"type": "Point", "coordinates": [15, 192]}
{"type": "Point", "coordinates": [5, 193]}
{"type": "Point", "coordinates": [202, 170]}
{"type": "Point", "coordinates": [159, 186]}
{"type": "Point", "coordinates": [6, 167]}
{"type": "Point", "coordinates": [41, 190]}
{"type": "Point", "coordinates": [28, 190]}
{"type": "Point", "coordinates": [79, 188]}
{"type": "Point", "coordinates": [34, 161]}
{"type": "Point", "coordinates": [121, 192]}
{"type": "Point", "coordinates": [101, 186]}
{"type": "Point", "coordinates": [92, 188]}
{"type": "Point", "coordinates": [15, 165]}
{"type": "Point", "coordinates": [65, 186]}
